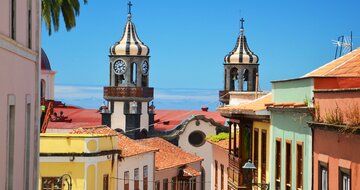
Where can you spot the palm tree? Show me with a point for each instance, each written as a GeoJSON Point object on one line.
{"type": "Point", "coordinates": [51, 12]}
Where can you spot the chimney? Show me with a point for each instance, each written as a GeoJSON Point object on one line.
{"type": "Point", "coordinates": [205, 109]}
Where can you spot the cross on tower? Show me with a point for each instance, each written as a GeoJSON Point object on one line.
{"type": "Point", "coordinates": [129, 7]}
{"type": "Point", "coordinates": [242, 23]}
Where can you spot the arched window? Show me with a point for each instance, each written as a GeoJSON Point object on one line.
{"type": "Point", "coordinates": [245, 79]}
{"type": "Point", "coordinates": [42, 88]}
{"type": "Point", "coordinates": [133, 73]}
{"type": "Point", "coordinates": [234, 82]}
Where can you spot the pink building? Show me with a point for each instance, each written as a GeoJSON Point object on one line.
{"type": "Point", "coordinates": [19, 97]}
{"type": "Point", "coordinates": [336, 135]}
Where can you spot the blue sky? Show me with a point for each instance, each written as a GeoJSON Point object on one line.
{"type": "Point", "coordinates": [188, 40]}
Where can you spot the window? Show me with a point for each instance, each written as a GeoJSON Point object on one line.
{"type": "Point", "coordinates": [278, 164]}
{"type": "Point", "coordinates": [145, 177]}
{"type": "Point", "coordinates": [173, 183]}
{"type": "Point", "coordinates": [29, 24]}
{"type": "Point", "coordinates": [216, 174]}
{"type": "Point", "coordinates": [197, 138]}
{"type": "Point", "coordinates": [256, 153]}
{"type": "Point", "coordinates": [263, 155]}
{"type": "Point", "coordinates": [51, 183]}
{"type": "Point", "coordinates": [13, 20]}
{"type": "Point", "coordinates": [133, 73]}
{"type": "Point", "coordinates": [126, 180]}
{"type": "Point", "coordinates": [157, 185]}
{"type": "Point", "coordinates": [299, 165]}
{"type": "Point", "coordinates": [136, 179]}
{"type": "Point", "coordinates": [165, 184]}
{"type": "Point", "coordinates": [323, 176]}
{"type": "Point", "coordinates": [222, 177]}
{"type": "Point", "coordinates": [27, 141]}
{"type": "Point", "coordinates": [10, 142]}
{"type": "Point", "coordinates": [344, 179]}
{"type": "Point", "coordinates": [288, 165]}
{"type": "Point", "coordinates": [106, 182]}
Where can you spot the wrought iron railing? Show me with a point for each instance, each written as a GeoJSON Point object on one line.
{"type": "Point", "coordinates": [117, 91]}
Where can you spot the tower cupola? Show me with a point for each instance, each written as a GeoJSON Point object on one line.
{"type": "Point", "coordinates": [129, 43]}
{"type": "Point", "coordinates": [241, 54]}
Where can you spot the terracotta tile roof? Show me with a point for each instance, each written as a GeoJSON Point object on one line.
{"type": "Point", "coordinates": [224, 144]}
{"type": "Point", "coordinates": [169, 155]}
{"type": "Point", "coordinates": [95, 130]}
{"type": "Point", "coordinates": [130, 147]}
{"type": "Point", "coordinates": [347, 65]}
{"type": "Point", "coordinates": [79, 118]}
{"type": "Point", "coordinates": [255, 105]}
{"type": "Point", "coordinates": [169, 119]}
{"type": "Point", "coordinates": [191, 172]}
{"type": "Point", "coordinates": [287, 105]}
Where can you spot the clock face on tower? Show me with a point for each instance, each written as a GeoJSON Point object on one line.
{"type": "Point", "coordinates": [145, 67]}
{"type": "Point", "coordinates": [119, 67]}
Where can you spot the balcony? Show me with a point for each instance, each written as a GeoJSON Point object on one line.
{"type": "Point", "coordinates": [128, 93]}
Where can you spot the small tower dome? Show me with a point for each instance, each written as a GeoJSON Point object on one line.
{"type": "Point", "coordinates": [241, 54]}
{"type": "Point", "coordinates": [130, 43]}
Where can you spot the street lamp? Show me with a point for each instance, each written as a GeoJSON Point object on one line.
{"type": "Point", "coordinates": [250, 167]}
{"type": "Point", "coordinates": [67, 179]}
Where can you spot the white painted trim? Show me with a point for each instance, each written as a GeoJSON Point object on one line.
{"type": "Point", "coordinates": [17, 48]}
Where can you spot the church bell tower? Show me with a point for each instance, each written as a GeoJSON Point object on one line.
{"type": "Point", "coordinates": [129, 93]}
{"type": "Point", "coordinates": [240, 71]}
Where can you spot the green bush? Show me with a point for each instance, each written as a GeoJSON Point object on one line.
{"type": "Point", "coordinates": [218, 137]}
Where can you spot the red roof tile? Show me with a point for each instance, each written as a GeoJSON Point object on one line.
{"type": "Point", "coordinates": [96, 130]}
{"type": "Point", "coordinates": [347, 65]}
{"type": "Point", "coordinates": [80, 118]}
{"type": "Point", "coordinates": [169, 119]}
{"type": "Point", "coordinates": [191, 172]}
{"type": "Point", "coordinates": [254, 105]}
{"type": "Point", "coordinates": [130, 147]}
{"type": "Point", "coordinates": [169, 155]}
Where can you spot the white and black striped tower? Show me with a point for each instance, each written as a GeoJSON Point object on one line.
{"type": "Point", "coordinates": [240, 68]}
{"type": "Point", "coordinates": [129, 94]}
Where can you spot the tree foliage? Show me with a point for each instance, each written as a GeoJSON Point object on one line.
{"type": "Point", "coordinates": [51, 10]}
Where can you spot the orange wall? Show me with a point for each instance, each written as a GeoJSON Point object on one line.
{"type": "Point", "coordinates": [327, 101]}
{"type": "Point", "coordinates": [336, 82]}
{"type": "Point", "coordinates": [337, 150]}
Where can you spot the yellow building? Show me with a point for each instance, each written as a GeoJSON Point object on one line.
{"type": "Point", "coordinates": [251, 121]}
{"type": "Point", "coordinates": [79, 161]}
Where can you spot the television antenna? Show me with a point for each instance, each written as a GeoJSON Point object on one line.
{"type": "Point", "coordinates": [343, 45]}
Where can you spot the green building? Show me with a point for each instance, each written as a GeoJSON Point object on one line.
{"type": "Point", "coordinates": [291, 139]}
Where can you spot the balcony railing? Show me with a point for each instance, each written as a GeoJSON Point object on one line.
{"type": "Point", "coordinates": [137, 92]}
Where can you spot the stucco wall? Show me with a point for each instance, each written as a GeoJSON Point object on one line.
{"type": "Point", "coordinates": [262, 126]}
{"type": "Point", "coordinates": [221, 156]}
{"type": "Point", "coordinates": [173, 172]}
{"type": "Point", "coordinates": [291, 126]}
{"type": "Point", "coordinates": [344, 100]}
{"type": "Point", "coordinates": [203, 151]}
{"type": "Point", "coordinates": [293, 90]}
{"type": "Point", "coordinates": [49, 78]}
{"type": "Point", "coordinates": [337, 150]}
{"type": "Point", "coordinates": [137, 161]}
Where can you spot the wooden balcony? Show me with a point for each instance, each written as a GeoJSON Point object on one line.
{"type": "Point", "coordinates": [123, 93]}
